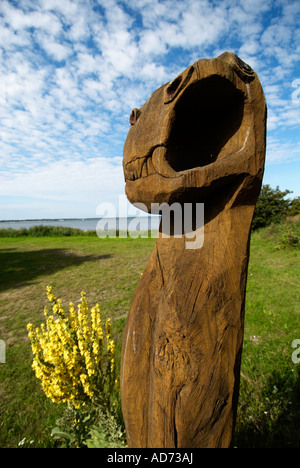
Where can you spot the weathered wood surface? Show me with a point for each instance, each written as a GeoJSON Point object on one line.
{"type": "Point", "coordinates": [198, 139]}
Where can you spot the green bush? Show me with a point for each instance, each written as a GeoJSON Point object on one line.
{"type": "Point", "coordinates": [45, 231]}
{"type": "Point", "coordinates": [271, 207]}
{"type": "Point", "coordinates": [286, 233]}
{"type": "Point", "coordinates": [294, 208]}
{"type": "Point", "coordinates": [89, 427]}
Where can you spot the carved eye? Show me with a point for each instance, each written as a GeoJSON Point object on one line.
{"type": "Point", "coordinates": [135, 113]}
{"type": "Point", "coordinates": [172, 88]}
{"type": "Point", "coordinates": [244, 66]}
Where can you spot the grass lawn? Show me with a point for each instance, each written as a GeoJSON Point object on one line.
{"type": "Point", "coordinates": [109, 270]}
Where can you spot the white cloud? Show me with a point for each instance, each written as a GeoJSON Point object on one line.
{"type": "Point", "coordinates": [276, 34]}
{"type": "Point", "coordinates": [18, 19]}
{"type": "Point", "coordinates": [256, 6]}
{"type": "Point", "coordinates": [57, 51]}
{"type": "Point", "coordinates": [66, 8]}
{"type": "Point", "coordinates": [250, 47]}
{"type": "Point", "coordinates": [203, 24]}
{"type": "Point", "coordinates": [154, 72]}
{"type": "Point", "coordinates": [10, 38]}
{"type": "Point", "coordinates": [151, 43]}
{"type": "Point", "coordinates": [72, 180]}
{"type": "Point", "coordinates": [279, 152]}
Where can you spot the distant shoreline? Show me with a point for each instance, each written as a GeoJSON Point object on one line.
{"type": "Point", "coordinates": [86, 224]}
{"type": "Point", "coordinates": [66, 219]}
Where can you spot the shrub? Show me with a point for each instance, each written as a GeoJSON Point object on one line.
{"type": "Point", "coordinates": [45, 231]}
{"type": "Point", "coordinates": [90, 427]}
{"type": "Point", "coordinates": [9, 232]}
{"type": "Point", "coordinates": [271, 207]}
{"type": "Point", "coordinates": [294, 208]}
{"type": "Point", "coordinates": [71, 356]}
{"type": "Point", "coordinates": [285, 234]}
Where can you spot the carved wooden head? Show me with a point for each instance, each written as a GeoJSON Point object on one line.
{"type": "Point", "coordinates": [197, 135]}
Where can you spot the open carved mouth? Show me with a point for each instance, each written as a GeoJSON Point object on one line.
{"type": "Point", "coordinates": [207, 118]}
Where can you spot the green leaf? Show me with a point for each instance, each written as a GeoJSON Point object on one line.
{"type": "Point", "coordinates": [58, 434]}
{"type": "Point", "coordinates": [98, 440]}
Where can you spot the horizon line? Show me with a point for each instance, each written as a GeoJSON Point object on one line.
{"type": "Point", "coordinates": [74, 219]}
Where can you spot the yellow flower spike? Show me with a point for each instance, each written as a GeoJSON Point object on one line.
{"type": "Point", "coordinates": [30, 327]}
{"type": "Point", "coordinates": [68, 355]}
{"type": "Point", "coordinates": [108, 330]}
{"type": "Point", "coordinates": [51, 297]}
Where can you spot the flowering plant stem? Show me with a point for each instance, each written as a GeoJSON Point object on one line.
{"type": "Point", "coordinates": [72, 356]}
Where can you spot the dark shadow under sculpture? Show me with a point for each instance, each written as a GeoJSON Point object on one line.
{"type": "Point", "coordinates": [199, 139]}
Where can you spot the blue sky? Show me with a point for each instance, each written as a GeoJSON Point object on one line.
{"type": "Point", "coordinates": [72, 70]}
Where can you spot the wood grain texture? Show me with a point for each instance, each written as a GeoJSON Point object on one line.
{"type": "Point", "coordinates": [198, 139]}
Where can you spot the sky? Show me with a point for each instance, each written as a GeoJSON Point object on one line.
{"type": "Point", "coordinates": [71, 71]}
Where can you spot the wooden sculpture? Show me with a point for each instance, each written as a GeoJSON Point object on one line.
{"type": "Point", "coordinates": [198, 139]}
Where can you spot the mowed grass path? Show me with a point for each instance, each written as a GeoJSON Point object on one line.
{"type": "Point", "coordinates": [108, 270]}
